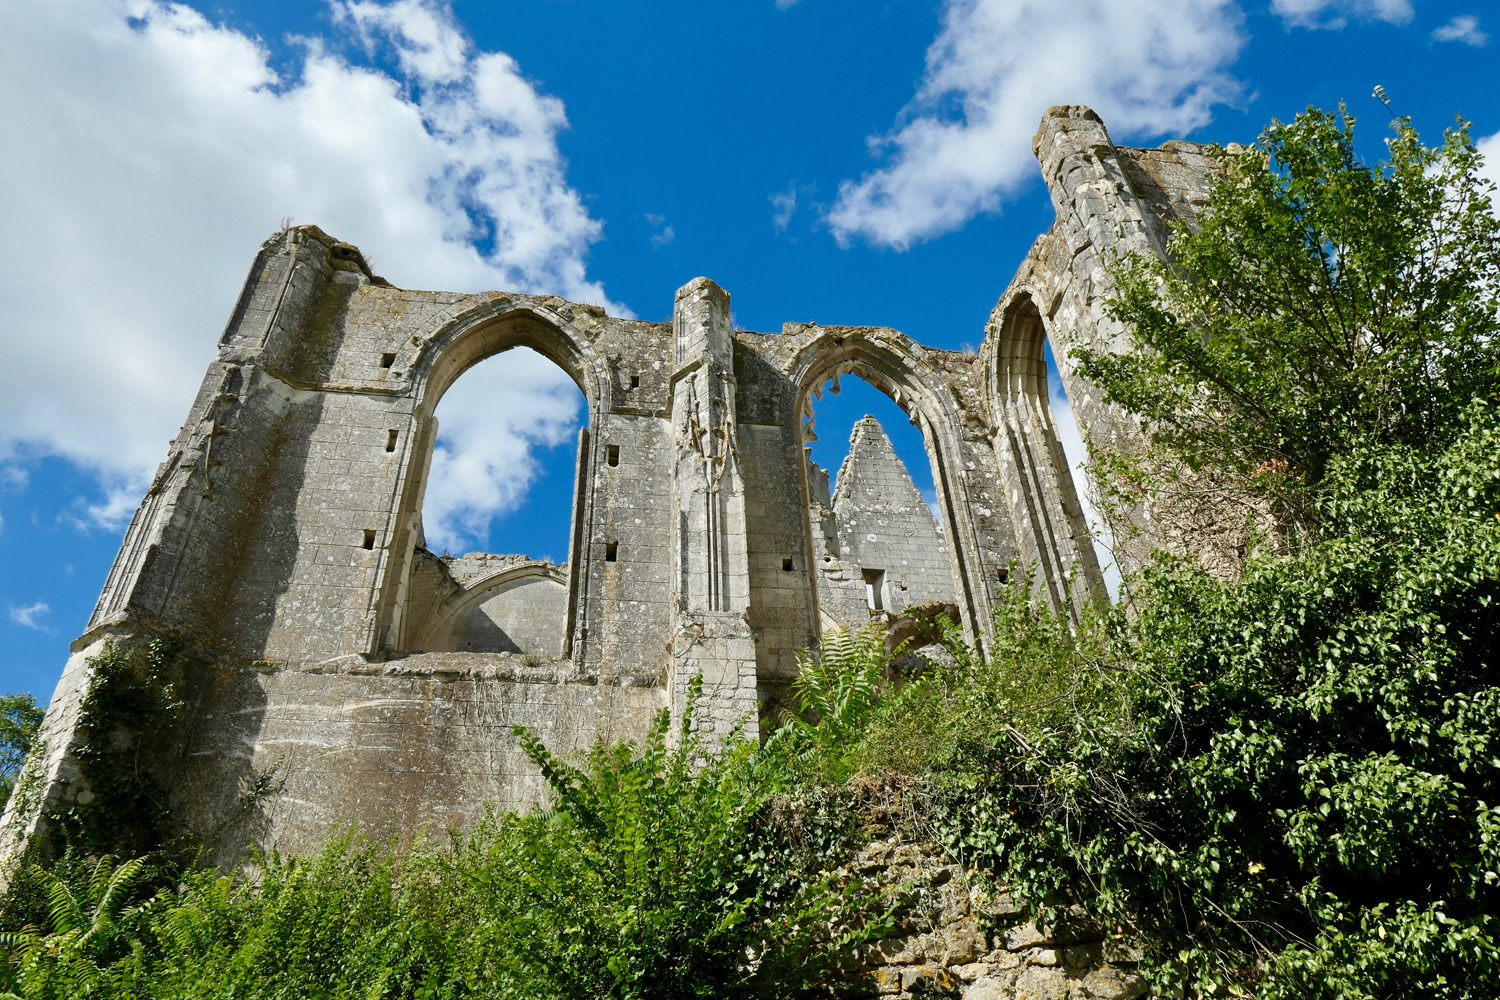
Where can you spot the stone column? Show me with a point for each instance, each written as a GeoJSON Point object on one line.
{"type": "Point", "coordinates": [711, 570]}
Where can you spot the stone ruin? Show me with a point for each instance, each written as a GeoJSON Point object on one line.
{"type": "Point", "coordinates": [377, 683]}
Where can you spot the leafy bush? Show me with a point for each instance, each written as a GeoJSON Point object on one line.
{"type": "Point", "coordinates": [1295, 794]}
{"type": "Point", "coordinates": [1285, 785]}
{"type": "Point", "coordinates": [668, 869]}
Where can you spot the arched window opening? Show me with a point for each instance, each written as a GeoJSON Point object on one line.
{"type": "Point", "coordinates": [1045, 449]}
{"type": "Point", "coordinates": [880, 549]}
{"type": "Point", "coordinates": [1070, 439]}
{"type": "Point", "coordinates": [490, 572]}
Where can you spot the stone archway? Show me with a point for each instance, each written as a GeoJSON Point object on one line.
{"type": "Point", "coordinates": [512, 610]}
{"type": "Point", "coordinates": [434, 358]}
{"type": "Point", "coordinates": [892, 363]}
{"type": "Point", "coordinates": [1050, 523]}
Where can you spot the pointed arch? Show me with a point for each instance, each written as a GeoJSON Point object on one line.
{"type": "Point", "coordinates": [478, 328]}
{"type": "Point", "coordinates": [891, 362]}
{"type": "Point", "coordinates": [1052, 528]}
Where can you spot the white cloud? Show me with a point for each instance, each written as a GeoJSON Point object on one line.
{"type": "Point", "coordinates": [664, 233]}
{"type": "Point", "coordinates": [428, 45]}
{"type": "Point", "coordinates": [965, 140]}
{"type": "Point", "coordinates": [1335, 14]}
{"type": "Point", "coordinates": [1489, 148]}
{"type": "Point", "coordinates": [148, 152]}
{"type": "Point", "coordinates": [121, 497]}
{"type": "Point", "coordinates": [28, 616]}
{"type": "Point", "coordinates": [1463, 28]}
{"type": "Point", "coordinates": [785, 204]}
{"type": "Point", "coordinates": [489, 421]}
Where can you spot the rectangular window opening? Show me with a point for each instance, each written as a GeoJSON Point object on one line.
{"type": "Point", "coordinates": [875, 589]}
{"type": "Point", "coordinates": [786, 563]}
{"type": "Point", "coordinates": [611, 551]}
{"type": "Point", "coordinates": [390, 441]}
{"type": "Point", "coordinates": [369, 538]}
{"type": "Point", "coordinates": [635, 381]}
{"type": "Point", "coordinates": [612, 454]}
{"type": "Point", "coordinates": [386, 360]}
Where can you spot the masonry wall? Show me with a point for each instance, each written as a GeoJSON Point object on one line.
{"type": "Point", "coordinates": [412, 747]}
{"type": "Point", "coordinates": [1111, 202]}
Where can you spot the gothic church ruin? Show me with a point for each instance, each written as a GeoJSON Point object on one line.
{"type": "Point", "coordinates": [378, 682]}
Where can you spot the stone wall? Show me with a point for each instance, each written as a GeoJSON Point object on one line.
{"type": "Point", "coordinates": [1111, 202]}
{"type": "Point", "coordinates": [957, 940]}
{"type": "Point", "coordinates": [416, 745]}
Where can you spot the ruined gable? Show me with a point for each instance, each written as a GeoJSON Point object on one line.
{"type": "Point", "coordinates": [885, 526]}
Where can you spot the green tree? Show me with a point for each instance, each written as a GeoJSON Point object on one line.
{"type": "Point", "coordinates": [1322, 302]}
{"type": "Point", "coordinates": [20, 719]}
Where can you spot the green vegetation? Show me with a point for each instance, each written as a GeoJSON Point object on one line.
{"type": "Point", "coordinates": [657, 873]}
{"type": "Point", "coordinates": [1282, 785]}
{"type": "Point", "coordinates": [129, 724]}
{"type": "Point", "coordinates": [20, 718]}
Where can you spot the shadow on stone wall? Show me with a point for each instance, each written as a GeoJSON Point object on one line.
{"type": "Point", "coordinates": [222, 798]}
{"type": "Point", "coordinates": [269, 539]}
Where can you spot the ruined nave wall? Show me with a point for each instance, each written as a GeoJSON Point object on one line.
{"type": "Point", "coordinates": [283, 538]}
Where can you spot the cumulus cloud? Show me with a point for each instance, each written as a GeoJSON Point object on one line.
{"type": "Point", "coordinates": [148, 152]}
{"type": "Point", "coordinates": [427, 43]}
{"type": "Point", "coordinates": [30, 616]}
{"type": "Point", "coordinates": [490, 422]}
{"type": "Point", "coordinates": [1463, 28]}
{"type": "Point", "coordinates": [1336, 14]}
{"type": "Point", "coordinates": [964, 142]}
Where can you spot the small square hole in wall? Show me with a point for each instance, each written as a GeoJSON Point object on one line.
{"type": "Point", "coordinates": [369, 538]}
{"type": "Point", "coordinates": [635, 381]}
{"type": "Point", "coordinates": [786, 563]}
{"type": "Point", "coordinates": [612, 454]}
{"type": "Point", "coordinates": [611, 551]}
{"type": "Point", "coordinates": [390, 441]}
{"type": "Point", "coordinates": [1003, 576]}
{"type": "Point", "coordinates": [386, 360]}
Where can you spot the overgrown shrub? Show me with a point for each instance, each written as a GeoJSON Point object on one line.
{"type": "Point", "coordinates": [666, 869]}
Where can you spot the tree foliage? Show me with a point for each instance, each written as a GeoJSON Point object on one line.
{"type": "Point", "coordinates": [1322, 303]}
{"type": "Point", "coordinates": [20, 719]}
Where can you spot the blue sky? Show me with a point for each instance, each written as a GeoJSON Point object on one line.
{"type": "Point", "coordinates": [829, 160]}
